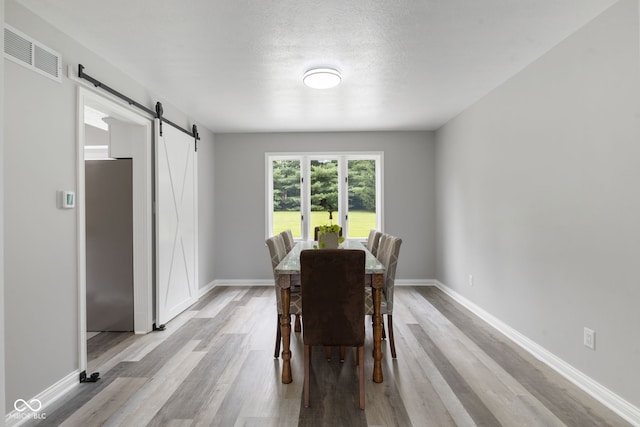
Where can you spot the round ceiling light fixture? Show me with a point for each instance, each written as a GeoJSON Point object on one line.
{"type": "Point", "coordinates": [322, 78]}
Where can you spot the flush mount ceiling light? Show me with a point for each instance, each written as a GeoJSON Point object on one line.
{"type": "Point", "coordinates": [322, 78]}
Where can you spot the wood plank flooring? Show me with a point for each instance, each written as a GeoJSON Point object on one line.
{"type": "Point", "coordinates": [214, 366]}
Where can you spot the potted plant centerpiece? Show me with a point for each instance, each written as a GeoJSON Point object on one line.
{"type": "Point", "coordinates": [329, 236]}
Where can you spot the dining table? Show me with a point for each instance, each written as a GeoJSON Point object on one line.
{"type": "Point", "coordinates": [290, 266]}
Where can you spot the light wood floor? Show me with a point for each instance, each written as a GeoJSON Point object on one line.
{"type": "Point", "coordinates": [214, 366]}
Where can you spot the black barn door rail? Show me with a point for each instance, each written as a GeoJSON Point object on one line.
{"type": "Point", "coordinates": [158, 113]}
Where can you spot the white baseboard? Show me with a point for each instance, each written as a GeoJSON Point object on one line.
{"type": "Point", "coordinates": [206, 289]}
{"type": "Point", "coordinates": [269, 282]}
{"type": "Point", "coordinates": [46, 398]}
{"type": "Point", "coordinates": [616, 403]}
{"type": "Point", "coordinates": [243, 282]}
{"type": "Point", "coordinates": [416, 282]}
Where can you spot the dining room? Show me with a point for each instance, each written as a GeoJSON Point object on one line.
{"type": "Point", "coordinates": [500, 141]}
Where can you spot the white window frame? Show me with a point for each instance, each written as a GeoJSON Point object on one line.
{"type": "Point", "coordinates": [305, 159]}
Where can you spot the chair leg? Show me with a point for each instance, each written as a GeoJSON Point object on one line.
{"type": "Point", "coordinates": [297, 326]}
{"type": "Point", "coordinates": [361, 379]}
{"type": "Point", "coordinates": [327, 352]}
{"type": "Point", "coordinates": [341, 353]}
{"type": "Point", "coordinates": [278, 338]}
{"type": "Point", "coordinates": [307, 362]}
{"type": "Point", "coordinates": [392, 343]}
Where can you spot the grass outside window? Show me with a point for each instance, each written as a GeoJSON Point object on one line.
{"type": "Point", "coordinates": [360, 222]}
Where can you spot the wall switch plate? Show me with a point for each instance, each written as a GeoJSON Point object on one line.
{"type": "Point", "coordinates": [471, 280]}
{"type": "Point", "coordinates": [590, 338]}
{"type": "Point", "coordinates": [66, 199]}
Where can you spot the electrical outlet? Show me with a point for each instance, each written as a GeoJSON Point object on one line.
{"type": "Point", "coordinates": [590, 338]}
{"type": "Point", "coordinates": [471, 280]}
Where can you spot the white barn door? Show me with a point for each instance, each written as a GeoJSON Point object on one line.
{"type": "Point", "coordinates": [176, 222]}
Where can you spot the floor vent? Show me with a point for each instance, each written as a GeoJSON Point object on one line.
{"type": "Point", "coordinates": [25, 51]}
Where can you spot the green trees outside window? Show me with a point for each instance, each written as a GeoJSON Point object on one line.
{"type": "Point", "coordinates": [362, 185]}
{"type": "Point", "coordinates": [286, 185]}
{"type": "Point", "coordinates": [356, 200]}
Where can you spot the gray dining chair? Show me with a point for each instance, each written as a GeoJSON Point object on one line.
{"type": "Point", "coordinates": [388, 252]}
{"type": "Point", "coordinates": [333, 304]}
{"type": "Point", "coordinates": [287, 237]}
{"type": "Point", "coordinates": [373, 241]}
{"type": "Point", "coordinates": [277, 252]}
{"type": "Point", "coordinates": [289, 243]}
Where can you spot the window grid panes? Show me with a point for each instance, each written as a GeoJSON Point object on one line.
{"type": "Point", "coordinates": [324, 200]}
{"type": "Point", "coordinates": [308, 190]}
{"type": "Point", "coordinates": [362, 197]}
{"type": "Point", "coordinates": [286, 197]}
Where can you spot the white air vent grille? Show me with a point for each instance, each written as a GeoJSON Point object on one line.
{"type": "Point", "coordinates": [17, 47]}
{"type": "Point", "coordinates": [25, 51]}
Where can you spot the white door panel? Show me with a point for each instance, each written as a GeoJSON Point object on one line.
{"type": "Point", "coordinates": [176, 222]}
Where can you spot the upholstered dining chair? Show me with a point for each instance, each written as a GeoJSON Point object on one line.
{"type": "Point", "coordinates": [373, 241]}
{"type": "Point", "coordinates": [277, 252]}
{"type": "Point", "coordinates": [287, 237]}
{"type": "Point", "coordinates": [289, 243]}
{"type": "Point", "coordinates": [333, 305]}
{"type": "Point", "coordinates": [388, 252]}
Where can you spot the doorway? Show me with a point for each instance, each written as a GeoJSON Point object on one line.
{"type": "Point", "coordinates": [129, 137]}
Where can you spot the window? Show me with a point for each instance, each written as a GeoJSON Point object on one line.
{"type": "Point", "coordinates": [312, 189]}
{"type": "Point", "coordinates": [285, 195]}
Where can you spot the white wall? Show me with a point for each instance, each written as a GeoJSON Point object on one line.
{"type": "Point", "coordinates": [40, 158]}
{"type": "Point", "coordinates": [409, 195]}
{"type": "Point", "coordinates": [538, 199]}
{"type": "Point", "coordinates": [206, 214]}
{"type": "Point", "coordinates": [2, 321]}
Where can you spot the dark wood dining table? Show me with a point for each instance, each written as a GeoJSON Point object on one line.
{"type": "Point", "coordinates": [290, 265]}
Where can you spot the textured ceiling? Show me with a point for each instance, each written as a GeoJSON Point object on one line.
{"type": "Point", "coordinates": [237, 65]}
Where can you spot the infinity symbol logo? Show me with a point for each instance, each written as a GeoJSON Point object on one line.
{"type": "Point", "coordinates": [34, 404]}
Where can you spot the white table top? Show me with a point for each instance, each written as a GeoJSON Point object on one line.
{"type": "Point", "coordinates": [290, 264]}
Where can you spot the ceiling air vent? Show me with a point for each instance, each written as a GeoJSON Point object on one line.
{"type": "Point", "coordinates": [25, 51]}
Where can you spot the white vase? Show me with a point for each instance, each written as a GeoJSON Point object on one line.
{"type": "Point", "coordinates": [328, 240]}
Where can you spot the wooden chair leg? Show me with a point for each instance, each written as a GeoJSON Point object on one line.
{"type": "Point", "coordinates": [297, 326]}
{"type": "Point", "coordinates": [392, 343]}
{"type": "Point", "coordinates": [307, 362]}
{"type": "Point", "coordinates": [327, 352]}
{"type": "Point", "coordinates": [341, 353]}
{"type": "Point", "coordinates": [361, 379]}
{"type": "Point", "coordinates": [276, 353]}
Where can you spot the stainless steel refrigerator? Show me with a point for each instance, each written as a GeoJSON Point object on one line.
{"type": "Point", "coordinates": [109, 242]}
